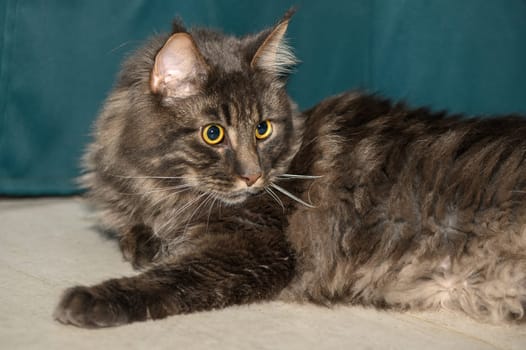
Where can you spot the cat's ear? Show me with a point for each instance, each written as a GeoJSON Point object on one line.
{"type": "Point", "coordinates": [180, 69]}
{"type": "Point", "coordinates": [274, 55]}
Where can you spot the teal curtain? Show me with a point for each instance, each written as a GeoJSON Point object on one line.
{"type": "Point", "coordinates": [58, 60]}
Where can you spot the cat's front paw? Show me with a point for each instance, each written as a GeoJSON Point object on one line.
{"type": "Point", "coordinates": [84, 307]}
{"type": "Point", "coordinates": [140, 246]}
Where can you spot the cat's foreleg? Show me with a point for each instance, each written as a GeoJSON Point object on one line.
{"type": "Point", "coordinates": [219, 276]}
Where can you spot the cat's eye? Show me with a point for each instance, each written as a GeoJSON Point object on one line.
{"type": "Point", "coordinates": [213, 134]}
{"type": "Point", "coordinates": [263, 130]}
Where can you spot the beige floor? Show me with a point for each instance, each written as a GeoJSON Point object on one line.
{"type": "Point", "coordinates": [47, 245]}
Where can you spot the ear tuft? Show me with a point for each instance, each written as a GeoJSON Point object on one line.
{"type": "Point", "coordinates": [275, 55]}
{"type": "Point", "coordinates": [179, 69]}
{"type": "Point", "coordinates": [178, 26]}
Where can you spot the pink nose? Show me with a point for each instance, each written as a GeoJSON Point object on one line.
{"type": "Point", "coordinates": [250, 179]}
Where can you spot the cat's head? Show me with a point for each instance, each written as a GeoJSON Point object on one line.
{"type": "Point", "coordinates": [211, 111]}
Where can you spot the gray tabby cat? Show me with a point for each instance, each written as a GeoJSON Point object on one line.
{"type": "Point", "coordinates": [221, 193]}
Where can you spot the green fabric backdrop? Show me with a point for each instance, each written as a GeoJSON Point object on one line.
{"type": "Point", "coordinates": [59, 59]}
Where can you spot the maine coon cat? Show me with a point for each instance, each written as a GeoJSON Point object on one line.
{"type": "Point", "coordinates": [221, 193]}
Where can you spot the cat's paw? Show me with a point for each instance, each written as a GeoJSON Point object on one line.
{"type": "Point", "coordinates": [83, 307]}
{"type": "Point", "coordinates": [140, 247]}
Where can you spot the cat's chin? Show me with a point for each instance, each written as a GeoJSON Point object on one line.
{"type": "Point", "coordinates": [234, 200]}
{"type": "Point", "coordinates": [238, 197]}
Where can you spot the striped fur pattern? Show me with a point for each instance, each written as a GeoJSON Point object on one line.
{"type": "Point", "coordinates": [357, 200]}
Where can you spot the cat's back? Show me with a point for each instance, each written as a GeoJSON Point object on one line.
{"type": "Point", "coordinates": [359, 138]}
{"type": "Point", "coordinates": [387, 154]}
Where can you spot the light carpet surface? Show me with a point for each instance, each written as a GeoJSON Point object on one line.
{"type": "Point", "coordinates": [47, 245]}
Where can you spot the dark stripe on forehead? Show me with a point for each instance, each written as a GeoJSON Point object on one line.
{"type": "Point", "coordinates": [225, 109]}
{"type": "Point", "coordinates": [212, 112]}
{"type": "Point", "coordinates": [259, 109]}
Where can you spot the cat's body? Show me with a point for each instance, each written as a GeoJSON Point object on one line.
{"type": "Point", "coordinates": [396, 208]}
{"type": "Point", "coordinates": [423, 211]}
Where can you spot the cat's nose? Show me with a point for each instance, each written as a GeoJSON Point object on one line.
{"type": "Point", "coordinates": [250, 179]}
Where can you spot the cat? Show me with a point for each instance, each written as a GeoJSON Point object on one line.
{"type": "Point", "coordinates": [220, 192]}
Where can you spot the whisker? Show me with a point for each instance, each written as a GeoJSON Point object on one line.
{"type": "Point", "coordinates": [170, 194]}
{"type": "Point", "coordinates": [156, 177]}
{"type": "Point", "coordinates": [275, 197]}
{"type": "Point", "coordinates": [122, 45]}
{"type": "Point", "coordinates": [290, 195]}
{"type": "Point", "coordinates": [175, 213]}
{"type": "Point", "coordinates": [299, 176]}
{"type": "Point", "coordinates": [159, 189]}
{"type": "Point", "coordinates": [167, 189]}
{"type": "Point", "coordinates": [187, 205]}
{"type": "Point", "coordinates": [210, 211]}
{"type": "Point", "coordinates": [196, 210]}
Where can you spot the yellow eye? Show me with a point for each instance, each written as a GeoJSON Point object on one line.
{"type": "Point", "coordinates": [213, 134]}
{"type": "Point", "coordinates": [263, 130]}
